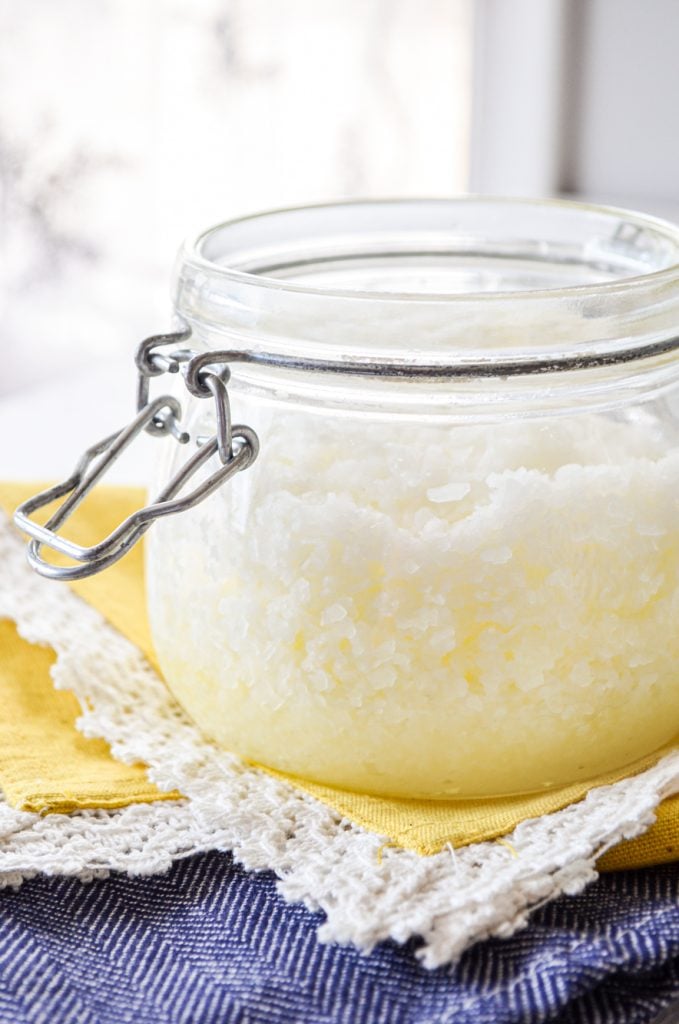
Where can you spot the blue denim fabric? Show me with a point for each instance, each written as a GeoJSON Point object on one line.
{"type": "Point", "coordinates": [210, 943]}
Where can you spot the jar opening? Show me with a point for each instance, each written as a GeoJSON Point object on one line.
{"type": "Point", "coordinates": [442, 249]}
{"type": "Point", "coordinates": [547, 285]}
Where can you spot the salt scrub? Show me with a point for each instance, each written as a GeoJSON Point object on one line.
{"type": "Point", "coordinates": [430, 610]}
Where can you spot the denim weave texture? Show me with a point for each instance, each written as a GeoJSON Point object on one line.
{"type": "Point", "coordinates": [209, 943]}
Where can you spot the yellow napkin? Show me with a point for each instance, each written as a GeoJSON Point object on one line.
{"type": "Point", "coordinates": [63, 771]}
{"type": "Point", "coordinates": [45, 763]}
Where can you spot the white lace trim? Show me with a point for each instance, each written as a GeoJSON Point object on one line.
{"type": "Point", "coordinates": [368, 891]}
{"type": "Point", "coordinates": [143, 839]}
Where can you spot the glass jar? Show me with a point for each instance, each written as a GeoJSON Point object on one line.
{"type": "Point", "coordinates": [445, 585]}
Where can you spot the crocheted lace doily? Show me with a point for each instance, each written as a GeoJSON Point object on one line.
{"type": "Point", "coordinates": [368, 890]}
{"type": "Point", "coordinates": [143, 839]}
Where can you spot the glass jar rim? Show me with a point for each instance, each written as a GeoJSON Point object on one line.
{"type": "Point", "coordinates": [280, 333]}
{"type": "Point", "coordinates": [193, 251]}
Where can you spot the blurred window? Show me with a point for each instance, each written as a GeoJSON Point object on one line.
{"type": "Point", "coordinates": [124, 124]}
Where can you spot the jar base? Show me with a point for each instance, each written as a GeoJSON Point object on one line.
{"type": "Point", "coordinates": [573, 789]}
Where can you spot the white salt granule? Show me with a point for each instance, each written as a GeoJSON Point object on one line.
{"type": "Point", "coordinates": [497, 555]}
{"type": "Point", "coordinates": [437, 610]}
{"type": "Point", "coordinates": [335, 613]}
{"type": "Point", "coordinates": [450, 492]}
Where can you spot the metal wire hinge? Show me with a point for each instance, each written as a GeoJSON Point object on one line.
{"type": "Point", "coordinates": [235, 445]}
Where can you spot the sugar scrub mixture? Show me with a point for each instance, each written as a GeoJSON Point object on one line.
{"type": "Point", "coordinates": [433, 610]}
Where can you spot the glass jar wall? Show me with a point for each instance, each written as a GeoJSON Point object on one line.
{"type": "Point", "coordinates": [434, 587]}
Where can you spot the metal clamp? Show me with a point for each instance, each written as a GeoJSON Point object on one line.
{"type": "Point", "coordinates": [236, 445]}
{"type": "Point", "coordinates": [151, 363]}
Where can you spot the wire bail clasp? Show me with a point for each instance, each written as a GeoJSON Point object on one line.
{"type": "Point", "coordinates": [237, 447]}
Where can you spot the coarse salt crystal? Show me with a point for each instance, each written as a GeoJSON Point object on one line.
{"type": "Point", "coordinates": [335, 613]}
{"type": "Point", "coordinates": [449, 492]}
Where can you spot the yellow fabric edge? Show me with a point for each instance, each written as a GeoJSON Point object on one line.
{"type": "Point", "coordinates": [420, 825]}
{"type": "Point", "coordinates": [46, 765]}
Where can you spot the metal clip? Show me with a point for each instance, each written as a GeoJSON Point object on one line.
{"type": "Point", "coordinates": [216, 385]}
{"type": "Point", "coordinates": [152, 363]}
{"type": "Point", "coordinates": [103, 454]}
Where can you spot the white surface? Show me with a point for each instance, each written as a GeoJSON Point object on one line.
{"type": "Point", "coordinates": [45, 429]}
